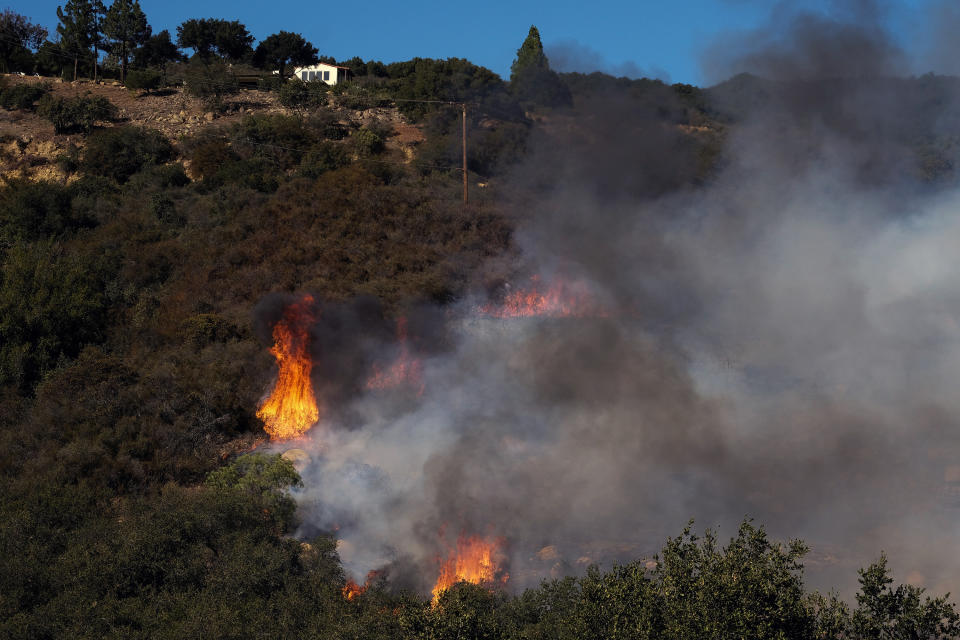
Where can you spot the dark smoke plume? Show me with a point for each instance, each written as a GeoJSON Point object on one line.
{"type": "Point", "coordinates": [782, 340]}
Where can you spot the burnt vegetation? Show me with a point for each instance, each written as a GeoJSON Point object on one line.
{"type": "Point", "coordinates": [130, 373]}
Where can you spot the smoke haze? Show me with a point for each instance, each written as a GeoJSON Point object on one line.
{"type": "Point", "coordinates": [781, 342]}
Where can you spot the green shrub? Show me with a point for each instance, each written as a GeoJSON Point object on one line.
{"type": "Point", "coordinates": [51, 305]}
{"type": "Point", "coordinates": [22, 96]}
{"type": "Point", "coordinates": [143, 80]}
{"type": "Point", "coordinates": [165, 211]}
{"type": "Point", "coordinates": [210, 81]}
{"type": "Point", "coordinates": [33, 210]}
{"type": "Point", "coordinates": [366, 142]}
{"type": "Point", "coordinates": [270, 83]}
{"type": "Point", "coordinates": [326, 156]}
{"type": "Point", "coordinates": [207, 328]}
{"type": "Point", "coordinates": [297, 94]}
{"type": "Point", "coordinates": [158, 176]}
{"type": "Point", "coordinates": [119, 153]}
{"type": "Point", "coordinates": [275, 138]}
{"type": "Point", "coordinates": [209, 157]}
{"type": "Point", "coordinates": [75, 114]}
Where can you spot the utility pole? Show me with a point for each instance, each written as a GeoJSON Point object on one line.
{"type": "Point", "coordinates": [464, 140]}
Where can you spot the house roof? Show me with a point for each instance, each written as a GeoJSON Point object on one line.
{"type": "Point", "coordinates": [324, 64]}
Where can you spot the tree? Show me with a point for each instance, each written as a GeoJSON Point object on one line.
{"type": "Point", "coordinates": [197, 34]}
{"type": "Point", "coordinates": [284, 48]}
{"type": "Point", "coordinates": [125, 25]}
{"type": "Point", "coordinates": [530, 55]}
{"type": "Point", "coordinates": [77, 28]}
{"type": "Point", "coordinates": [531, 79]}
{"type": "Point", "coordinates": [157, 51]}
{"type": "Point", "coordinates": [232, 40]}
{"type": "Point", "coordinates": [18, 38]}
{"type": "Point", "coordinates": [264, 479]}
{"type": "Point", "coordinates": [899, 613]}
{"type": "Point", "coordinates": [206, 36]}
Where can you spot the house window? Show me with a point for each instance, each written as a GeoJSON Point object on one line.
{"type": "Point", "coordinates": [313, 76]}
{"type": "Point", "coordinates": [326, 76]}
{"type": "Point", "coordinates": [303, 76]}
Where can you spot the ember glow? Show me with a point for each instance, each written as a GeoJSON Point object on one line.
{"type": "Point", "coordinates": [475, 560]}
{"type": "Point", "coordinates": [291, 408]}
{"type": "Point", "coordinates": [405, 370]}
{"type": "Point", "coordinates": [560, 299]}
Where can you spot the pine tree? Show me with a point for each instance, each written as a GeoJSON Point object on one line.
{"type": "Point", "coordinates": [125, 25]}
{"type": "Point", "coordinates": [530, 55]}
{"type": "Point", "coordinates": [77, 28]}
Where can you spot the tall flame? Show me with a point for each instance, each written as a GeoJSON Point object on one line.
{"type": "Point", "coordinates": [561, 299]}
{"type": "Point", "coordinates": [475, 560]}
{"type": "Point", "coordinates": [405, 370]}
{"type": "Point", "coordinates": [291, 408]}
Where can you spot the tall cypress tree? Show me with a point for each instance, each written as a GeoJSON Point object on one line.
{"type": "Point", "coordinates": [125, 25]}
{"type": "Point", "coordinates": [530, 55]}
{"type": "Point", "coordinates": [531, 79]}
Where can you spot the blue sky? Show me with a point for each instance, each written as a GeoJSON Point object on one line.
{"type": "Point", "coordinates": [664, 39]}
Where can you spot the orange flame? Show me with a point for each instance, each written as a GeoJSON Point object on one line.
{"type": "Point", "coordinates": [475, 560]}
{"type": "Point", "coordinates": [291, 408]}
{"type": "Point", "coordinates": [351, 590]}
{"type": "Point", "coordinates": [562, 299]}
{"type": "Point", "coordinates": [405, 370]}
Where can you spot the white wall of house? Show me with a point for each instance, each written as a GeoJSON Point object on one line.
{"type": "Point", "coordinates": [321, 72]}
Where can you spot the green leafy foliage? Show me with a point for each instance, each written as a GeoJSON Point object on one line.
{"type": "Point", "coordinates": [530, 55]}
{"type": "Point", "coordinates": [125, 27]}
{"type": "Point", "coordinates": [210, 80]}
{"type": "Point", "coordinates": [19, 37]}
{"type": "Point", "coordinates": [51, 305]}
{"type": "Point", "coordinates": [299, 95]}
{"type": "Point", "coordinates": [262, 479]}
{"type": "Point", "coordinates": [281, 49]}
{"type": "Point", "coordinates": [143, 80]}
{"type": "Point", "coordinates": [35, 210]}
{"type": "Point", "coordinates": [22, 95]}
{"type": "Point", "coordinates": [75, 114]}
{"type": "Point", "coordinates": [121, 152]}
{"type": "Point", "coordinates": [366, 142]}
{"type": "Point", "coordinates": [227, 38]}
{"type": "Point", "coordinates": [899, 613]}
{"type": "Point", "coordinates": [157, 51]}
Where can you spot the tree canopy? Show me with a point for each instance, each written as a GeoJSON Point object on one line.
{"type": "Point", "coordinates": [283, 48]}
{"type": "Point", "coordinates": [207, 36]}
{"type": "Point", "coordinates": [125, 26]}
{"type": "Point", "coordinates": [18, 38]}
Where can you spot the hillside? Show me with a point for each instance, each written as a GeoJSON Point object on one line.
{"type": "Point", "coordinates": [548, 377]}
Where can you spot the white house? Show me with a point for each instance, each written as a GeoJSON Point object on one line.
{"type": "Point", "coordinates": [331, 74]}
